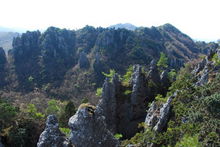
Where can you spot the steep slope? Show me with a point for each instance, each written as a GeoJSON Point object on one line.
{"type": "Point", "coordinates": [189, 114]}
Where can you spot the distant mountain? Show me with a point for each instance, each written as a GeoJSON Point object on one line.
{"type": "Point", "coordinates": [6, 39]}
{"type": "Point", "coordinates": [127, 26]}
{"type": "Point", "coordinates": [5, 29]}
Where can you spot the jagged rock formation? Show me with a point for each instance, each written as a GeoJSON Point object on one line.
{"type": "Point", "coordinates": [158, 115]}
{"type": "Point", "coordinates": [47, 57]}
{"type": "Point", "coordinates": [119, 109]}
{"type": "Point", "coordinates": [154, 73]}
{"type": "Point", "coordinates": [51, 136]}
{"type": "Point", "coordinates": [203, 69]}
{"type": "Point", "coordinates": [139, 93]}
{"type": "Point", "coordinates": [95, 126]}
{"type": "Point", "coordinates": [108, 104]}
{"type": "Point", "coordinates": [164, 82]}
{"type": "Point", "coordinates": [113, 111]}
{"type": "Point", "coordinates": [83, 61]}
{"type": "Point", "coordinates": [88, 129]}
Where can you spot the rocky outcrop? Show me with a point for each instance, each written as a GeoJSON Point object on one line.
{"type": "Point", "coordinates": [83, 61]}
{"type": "Point", "coordinates": [204, 77]}
{"type": "Point", "coordinates": [158, 115]}
{"type": "Point", "coordinates": [113, 111]}
{"type": "Point", "coordinates": [108, 104]}
{"type": "Point", "coordinates": [203, 68]}
{"type": "Point", "coordinates": [164, 82]}
{"type": "Point", "coordinates": [200, 66]}
{"type": "Point", "coordinates": [154, 73]}
{"type": "Point", "coordinates": [88, 129]}
{"type": "Point", "coordinates": [139, 93]}
{"type": "Point", "coordinates": [52, 136]}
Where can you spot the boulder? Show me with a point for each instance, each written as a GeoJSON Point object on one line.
{"type": "Point", "coordinates": [88, 129]}
{"type": "Point", "coordinates": [52, 136]}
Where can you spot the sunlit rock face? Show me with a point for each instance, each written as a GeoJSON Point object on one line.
{"type": "Point", "coordinates": [158, 115]}
{"type": "Point", "coordinates": [88, 129]}
{"type": "Point", "coordinates": [52, 136]}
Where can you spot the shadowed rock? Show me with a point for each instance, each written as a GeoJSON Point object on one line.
{"type": "Point", "coordinates": [108, 104]}
{"type": "Point", "coordinates": [139, 93]}
{"type": "Point", "coordinates": [83, 61]}
{"type": "Point", "coordinates": [3, 62]}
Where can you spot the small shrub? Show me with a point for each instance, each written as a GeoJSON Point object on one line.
{"type": "Point", "coordinates": [189, 141]}
{"type": "Point", "coordinates": [160, 99]}
{"type": "Point", "coordinates": [163, 61]}
{"type": "Point", "coordinates": [216, 60]}
{"type": "Point", "coordinates": [118, 136]}
{"type": "Point", "coordinates": [127, 92]}
{"type": "Point", "coordinates": [172, 75]}
{"type": "Point", "coordinates": [110, 75]}
{"type": "Point", "coordinates": [127, 77]}
{"type": "Point", "coordinates": [99, 92]}
{"type": "Point", "coordinates": [65, 131]}
{"type": "Point", "coordinates": [84, 100]}
{"type": "Point", "coordinates": [53, 108]}
{"type": "Point", "coordinates": [33, 113]}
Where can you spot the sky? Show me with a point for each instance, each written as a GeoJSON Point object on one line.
{"type": "Point", "coordinates": [200, 19]}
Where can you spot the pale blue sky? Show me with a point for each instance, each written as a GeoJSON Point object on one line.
{"type": "Point", "coordinates": [197, 18]}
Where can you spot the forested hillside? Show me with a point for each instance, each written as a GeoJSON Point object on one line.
{"type": "Point", "coordinates": [132, 76]}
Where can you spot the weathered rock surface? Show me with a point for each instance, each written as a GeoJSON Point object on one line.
{"type": "Point", "coordinates": [88, 129]}
{"type": "Point", "coordinates": [164, 82]}
{"type": "Point", "coordinates": [108, 104]}
{"type": "Point", "coordinates": [202, 70]}
{"type": "Point", "coordinates": [199, 67]}
{"type": "Point", "coordinates": [154, 73]}
{"type": "Point", "coordinates": [158, 115]}
{"type": "Point", "coordinates": [139, 93]}
{"type": "Point", "coordinates": [116, 112]}
{"type": "Point", "coordinates": [52, 136]}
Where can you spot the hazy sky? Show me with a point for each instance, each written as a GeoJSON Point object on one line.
{"type": "Point", "coordinates": [200, 19]}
